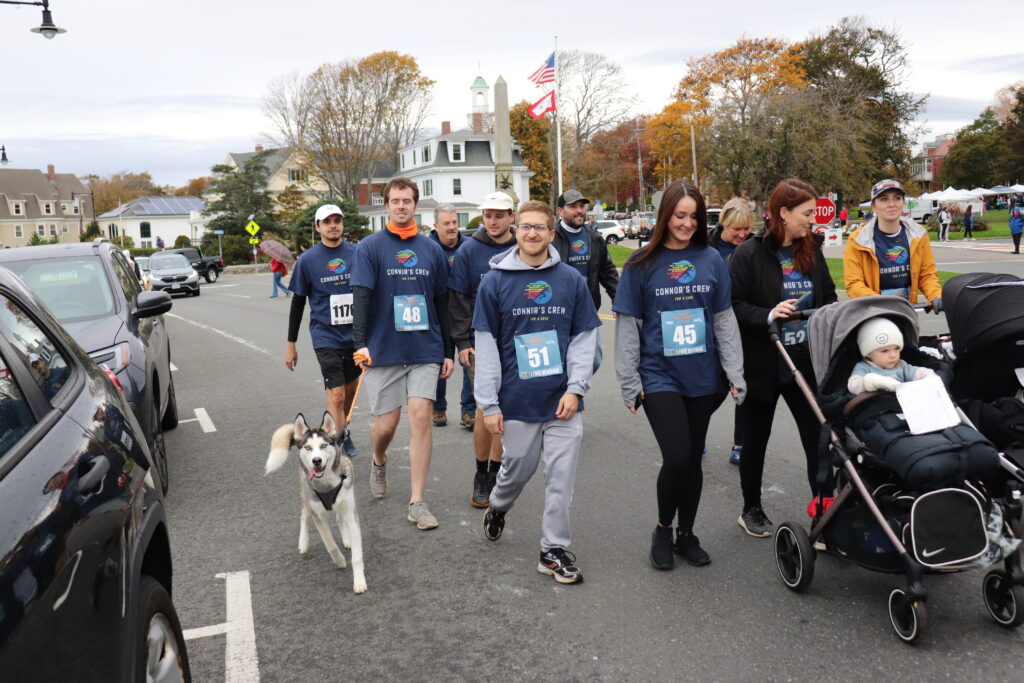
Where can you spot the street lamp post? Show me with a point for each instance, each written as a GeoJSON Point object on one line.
{"type": "Point", "coordinates": [81, 214]}
{"type": "Point", "coordinates": [48, 29]}
{"type": "Point", "coordinates": [3, 156]}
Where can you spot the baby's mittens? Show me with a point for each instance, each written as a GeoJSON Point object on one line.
{"type": "Point", "coordinates": [921, 373]}
{"type": "Point", "coordinates": [873, 382]}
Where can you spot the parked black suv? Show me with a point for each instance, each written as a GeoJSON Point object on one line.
{"type": "Point", "coordinates": [93, 292]}
{"type": "Point", "coordinates": [208, 267]}
{"type": "Point", "coordinates": [85, 560]}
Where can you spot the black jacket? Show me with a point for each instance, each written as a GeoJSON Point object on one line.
{"type": "Point", "coordinates": [756, 289]}
{"type": "Point", "coordinates": [601, 271]}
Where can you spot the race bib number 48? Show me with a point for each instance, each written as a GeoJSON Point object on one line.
{"type": "Point", "coordinates": [411, 313]}
{"type": "Point", "coordinates": [341, 309]}
{"type": "Point", "coordinates": [537, 355]}
{"type": "Point", "coordinates": [683, 333]}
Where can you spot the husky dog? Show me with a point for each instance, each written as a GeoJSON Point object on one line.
{"type": "Point", "coordinates": [325, 485]}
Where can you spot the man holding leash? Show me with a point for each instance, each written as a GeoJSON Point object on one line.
{"type": "Point", "coordinates": [400, 330]}
{"type": "Point", "coordinates": [322, 275]}
{"type": "Point", "coordinates": [536, 326]}
{"type": "Point", "coordinates": [468, 269]}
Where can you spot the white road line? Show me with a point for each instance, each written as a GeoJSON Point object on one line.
{"type": "Point", "coordinates": [240, 296]}
{"type": "Point", "coordinates": [226, 335]}
{"type": "Point", "coordinates": [191, 419]}
{"type": "Point", "coordinates": [174, 368]}
{"type": "Point", "coordinates": [218, 285]}
{"type": "Point", "coordinates": [206, 631]}
{"type": "Point", "coordinates": [204, 420]}
{"type": "Point", "coordinates": [975, 263]}
{"type": "Point", "coordinates": [241, 662]}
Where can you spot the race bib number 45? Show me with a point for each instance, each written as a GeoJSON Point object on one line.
{"type": "Point", "coordinates": [411, 313]}
{"type": "Point", "coordinates": [537, 355]}
{"type": "Point", "coordinates": [341, 309]}
{"type": "Point", "coordinates": [683, 333]}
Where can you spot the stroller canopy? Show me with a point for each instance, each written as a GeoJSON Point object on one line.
{"type": "Point", "coordinates": [831, 325]}
{"type": "Point", "coordinates": [982, 309]}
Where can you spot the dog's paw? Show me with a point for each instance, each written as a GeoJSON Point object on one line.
{"type": "Point", "coordinates": [339, 559]}
{"type": "Point", "coordinates": [303, 547]}
{"type": "Point", "coordinates": [347, 543]}
{"type": "Point", "coordinates": [359, 585]}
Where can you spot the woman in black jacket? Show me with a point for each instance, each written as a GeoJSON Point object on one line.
{"type": "Point", "coordinates": [776, 273]}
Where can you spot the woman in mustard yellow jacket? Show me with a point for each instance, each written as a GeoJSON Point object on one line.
{"type": "Point", "coordinates": [891, 254]}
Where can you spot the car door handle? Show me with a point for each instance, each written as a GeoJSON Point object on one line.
{"type": "Point", "coordinates": [91, 473]}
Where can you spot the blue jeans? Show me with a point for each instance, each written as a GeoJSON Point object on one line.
{"type": "Point", "coordinates": [467, 400]}
{"type": "Point", "coordinates": [278, 283]}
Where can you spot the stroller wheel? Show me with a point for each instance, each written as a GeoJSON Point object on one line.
{"type": "Point", "coordinates": [794, 556]}
{"type": "Point", "coordinates": [1004, 601]}
{"type": "Point", "coordinates": [909, 617]}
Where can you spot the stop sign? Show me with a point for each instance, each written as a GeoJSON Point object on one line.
{"type": "Point", "coordinates": [824, 211]}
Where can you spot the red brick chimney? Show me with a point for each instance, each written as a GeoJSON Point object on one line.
{"type": "Point", "coordinates": [50, 174]}
{"type": "Point", "coordinates": [259, 148]}
{"type": "Point", "coordinates": [478, 122]}
{"type": "Point", "coordinates": [446, 127]}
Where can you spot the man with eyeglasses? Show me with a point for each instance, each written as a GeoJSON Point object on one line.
{"type": "Point", "coordinates": [470, 265]}
{"type": "Point", "coordinates": [535, 326]}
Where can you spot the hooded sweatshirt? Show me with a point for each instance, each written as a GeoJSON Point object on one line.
{"type": "Point", "coordinates": [536, 331]}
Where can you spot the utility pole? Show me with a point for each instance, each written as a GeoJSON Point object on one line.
{"type": "Point", "coordinates": [693, 148]}
{"type": "Point", "coordinates": [641, 194]}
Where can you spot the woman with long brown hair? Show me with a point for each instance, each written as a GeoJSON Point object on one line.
{"type": "Point", "coordinates": [677, 352]}
{"type": "Point", "coordinates": [776, 273]}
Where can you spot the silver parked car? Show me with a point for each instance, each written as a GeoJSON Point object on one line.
{"type": "Point", "coordinates": [172, 273]}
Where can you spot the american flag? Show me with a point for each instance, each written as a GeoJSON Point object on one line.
{"type": "Point", "coordinates": [546, 72]}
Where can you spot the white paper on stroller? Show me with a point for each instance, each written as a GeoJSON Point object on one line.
{"type": "Point", "coordinates": [926, 405]}
{"type": "Point", "coordinates": [1020, 375]}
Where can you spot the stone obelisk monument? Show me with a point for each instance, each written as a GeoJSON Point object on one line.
{"type": "Point", "coordinates": [503, 179]}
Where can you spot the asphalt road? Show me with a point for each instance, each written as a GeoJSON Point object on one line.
{"type": "Point", "coordinates": [449, 605]}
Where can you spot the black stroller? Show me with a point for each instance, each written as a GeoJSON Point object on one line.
{"type": "Point", "coordinates": [876, 520]}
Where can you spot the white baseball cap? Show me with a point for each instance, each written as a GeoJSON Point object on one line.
{"type": "Point", "coordinates": [33, 357]}
{"type": "Point", "coordinates": [328, 210]}
{"type": "Point", "coordinates": [498, 200]}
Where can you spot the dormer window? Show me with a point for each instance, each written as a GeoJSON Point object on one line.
{"type": "Point", "coordinates": [17, 208]}
{"type": "Point", "coordinates": [456, 151]}
{"type": "Point", "coordinates": [47, 208]}
{"type": "Point", "coordinates": [426, 154]}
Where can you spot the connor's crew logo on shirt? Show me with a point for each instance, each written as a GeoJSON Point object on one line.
{"type": "Point", "coordinates": [451, 258]}
{"type": "Point", "coordinates": [897, 255]}
{"type": "Point", "coordinates": [407, 257]}
{"type": "Point", "coordinates": [789, 269]}
{"type": "Point", "coordinates": [579, 247]}
{"type": "Point", "coordinates": [337, 265]}
{"type": "Point", "coordinates": [538, 292]}
{"type": "Point", "coordinates": [682, 271]}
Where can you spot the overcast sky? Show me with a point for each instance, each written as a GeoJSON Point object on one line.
{"type": "Point", "coordinates": [171, 87]}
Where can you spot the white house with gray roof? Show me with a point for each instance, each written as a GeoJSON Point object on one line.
{"type": "Point", "coordinates": [147, 218]}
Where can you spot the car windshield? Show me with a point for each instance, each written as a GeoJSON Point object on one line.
{"type": "Point", "coordinates": [74, 289]}
{"type": "Point", "coordinates": [167, 261]}
{"type": "Point", "coordinates": [143, 262]}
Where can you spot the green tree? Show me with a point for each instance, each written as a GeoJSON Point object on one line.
{"type": "Point", "coordinates": [182, 241]}
{"type": "Point", "coordinates": [532, 137]}
{"type": "Point", "coordinates": [92, 231]}
{"type": "Point", "coordinates": [120, 188]}
{"type": "Point", "coordinates": [123, 241]}
{"type": "Point", "coordinates": [979, 156]}
{"type": "Point", "coordinates": [238, 194]}
{"type": "Point", "coordinates": [1013, 134]}
{"type": "Point", "coordinates": [291, 203]}
{"type": "Point", "coordinates": [302, 231]}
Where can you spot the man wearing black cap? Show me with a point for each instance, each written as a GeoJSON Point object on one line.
{"type": "Point", "coordinates": [581, 246]}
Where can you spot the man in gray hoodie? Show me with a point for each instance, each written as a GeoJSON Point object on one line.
{"type": "Point", "coordinates": [535, 332]}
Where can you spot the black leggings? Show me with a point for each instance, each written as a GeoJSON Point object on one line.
{"type": "Point", "coordinates": [757, 423]}
{"type": "Point", "coordinates": [680, 425]}
{"type": "Point", "coordinates": [1016, 241]}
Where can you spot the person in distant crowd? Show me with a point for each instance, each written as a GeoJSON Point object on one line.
{"type": "Point", "coordinates": [774, 275]}
{"type": "Point", "coordinates": [446, 233]}
{"type": "Point", "coordinates": [969, 223]}
{"type": "Point", "coordinates": [945, 218]}
{"type": "Point", "coordinates": [159, 242]}
{"type": "Point", "coordinates": [50, 380]}
{"type": "Point", "coordinates": [582, 247]}
{"type": "Point", "coordinates": [891, 254]}
{"type": "Point", "coordinates": [677, 352]}
{"type": "Point", "coordinates": [535, 323]}
{"type": "Point", "coordinates": [844, 215]}
{"type": "Point", "coordinates": [400, 332]}
{"type": "Point", "coordinates": [471, 264]}
{"type": "Point", "coordinates": [735, 224]}
{"type": "Point", "coordinates": [131, 262]}
{"type": "Point", "coordinates": [1016, 226]}
{"type": "Point", "coordinates": [279, 270]}
{"type": "Point", "coordinates": [322, 276]}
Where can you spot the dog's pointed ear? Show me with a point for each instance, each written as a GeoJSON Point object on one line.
{"type": "Point", "coordinates": [328, 425]}
{"type": "Point", "coordinates": [301, 428]}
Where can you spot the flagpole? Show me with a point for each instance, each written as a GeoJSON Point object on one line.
{"type": "Point", "coordinates": [558, 125]}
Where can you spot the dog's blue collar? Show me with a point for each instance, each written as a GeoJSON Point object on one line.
{"type": "Point", "coordinates": [331, 496]}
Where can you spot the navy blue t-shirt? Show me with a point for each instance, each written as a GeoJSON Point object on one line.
{"type": "Point", "coordinates": [579, 249]}
{"type": "Point", "coordinates": [726, 249]}
{"type": "Point", "coordinates": [893, 253]}
{"type": "Point", "coordinates": [795, 285]}
{"type": "Point", "coordinates": [472, 262]}
{"type": "Point", "coordinates": [405, 276]}
{"type": "Point", "coordinates": [532, 315]}
{"type": "Point", "coordinates": [322, 275]}
{"type": "Point", "coordinates": [676, 296]}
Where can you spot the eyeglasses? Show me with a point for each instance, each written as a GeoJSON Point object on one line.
{"type": "Point", "coordinates": [526, 227]}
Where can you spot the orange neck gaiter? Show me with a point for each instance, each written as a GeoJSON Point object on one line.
{"type": "Point", "coordinates": [405, 233]}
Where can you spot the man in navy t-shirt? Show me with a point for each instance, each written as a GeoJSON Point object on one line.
{"type": "Point", "coordinates": [536, 326]}
{"type": "Point", "coordinates": [322, 276]}
{"type": "Point", "coordinates": [400, 332]}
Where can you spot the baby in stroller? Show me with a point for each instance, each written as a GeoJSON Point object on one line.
{"type": "Point", "coordinates": [882, 369]}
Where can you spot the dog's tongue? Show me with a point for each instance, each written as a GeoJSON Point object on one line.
{"type": "Point", "coordinates": [312, 473]}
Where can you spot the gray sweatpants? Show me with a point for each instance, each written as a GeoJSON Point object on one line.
{"type": "Point", "coordinates": [525, 442]}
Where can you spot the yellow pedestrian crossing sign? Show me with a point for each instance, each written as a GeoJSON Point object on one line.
{"type": "Point", "coordinates": [252, 228]}
{"type": "Point", "coordinates": [254, 240]}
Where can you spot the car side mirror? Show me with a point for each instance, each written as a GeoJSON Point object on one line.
{"type": "Point", "coordinates": [149, 304]}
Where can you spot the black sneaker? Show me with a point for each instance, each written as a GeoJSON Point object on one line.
{"type": "Point", "coordinates": [688, 547]}
{"type": "Point", "coordinates": [480, 491]}
{"type": "Point", "coordinates": [755, 522]}
{"type": "Point", "coordinates": [494, 524]}
{"type": "Point", "coordinates": [561, 564]}
{"type": "Point", "coordinates": [661, 548]}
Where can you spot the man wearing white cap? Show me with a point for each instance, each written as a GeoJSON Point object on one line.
{"type": "Point", "coordinates": [322, 275]}
{"type": "Point", "coordinates": [471, 263]}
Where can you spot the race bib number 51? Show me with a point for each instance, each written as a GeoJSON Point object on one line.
{"type": "Point", "coordinates": [341, 309]}
{"type": "Point", "coordinates": [683, 333]}
{"type": "Point", "coordinates": [411, 313]}
{"type": "Point", "coordinates": [537, 354]}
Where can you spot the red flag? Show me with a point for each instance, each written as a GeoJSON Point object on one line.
{"type": "Point", "coordinates": [543, 105]}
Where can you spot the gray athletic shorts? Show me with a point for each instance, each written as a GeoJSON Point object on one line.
{"type": "Point", "coordinates": [390, 385]}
